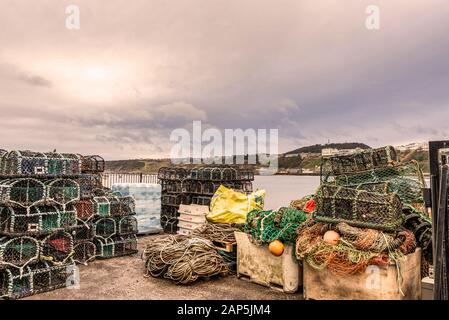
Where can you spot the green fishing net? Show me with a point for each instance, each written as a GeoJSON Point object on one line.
{"type": "Point", "coordinates": [267, 226]}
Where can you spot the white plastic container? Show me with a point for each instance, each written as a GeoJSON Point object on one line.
{"type": "Point", "coordinates": [148, 204]}
{"type": "Point", "coordinates": [256, 264]}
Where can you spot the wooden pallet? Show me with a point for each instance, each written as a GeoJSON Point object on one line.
{"type": "Point", "coordinates": [225, 246]}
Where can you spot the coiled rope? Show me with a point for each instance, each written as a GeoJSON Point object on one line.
{"type": "Point", "coordinates": [183, 260]}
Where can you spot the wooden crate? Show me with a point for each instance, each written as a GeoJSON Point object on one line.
{"type": "Point", "coordinates": [377, 283]}
{"type": "Point", "coordinates": [225, 246]}
{"type": "Point", "coordinates": [256, 264]}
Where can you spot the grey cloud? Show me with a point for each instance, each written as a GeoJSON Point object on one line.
{"type": "Point", "coordinates": [309, 68]}
{"type": "Point", "coordinates": [34, 80]}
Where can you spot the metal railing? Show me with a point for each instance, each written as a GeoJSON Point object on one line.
{"type": "Point", "coordinates": [108, 179]}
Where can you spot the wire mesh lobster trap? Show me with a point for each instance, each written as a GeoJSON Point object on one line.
{"type": "Point", "coordinates": [90, 185]}
{"type": "Point", "coordinates": [24, 192]}
{"type": "Point", "coordinates": [59, 164]}
{"type": "Point", "coordinates": [62, 191]}
{"type": "Point", "coordinates": [39, 220]}
{"type": "Point", "coordinates": [18, 163]}
{"type": "Point", "coordinates": [16, 284]}
{"type": "Point", "coordinates": [165, 173]}
{"type": "Point", "coordinates": [36, 278]}
{"type": "Point", "coordinates": [105, 227]}
{"type": "Point", "coordinates": [358, 208]}
{"type": "Point", "coordinates": [57, 248]}
{"type": "Point", "coordinates": [116, 247]}
{"type": "Point", "coordinates": [360, 161]}
{"type": "Point", "coordinates": [48, 277]}
{"type": "Point", "coordinates": [127, 225]}
{"type": "Point", "coordinates": [83, 231]}
{"type": "Point", "coordinates": [113, 205]}
{"type": "Point", "coordinates": [405, 179]}
{"type": "Point", "coordinates": [85, 209]}
{"type": "Point", "coordinates": [92, 164]}
{"type": "Point", "coordinates": [18, 252]}
{"type": "Point", "coordinates": [84, 252]}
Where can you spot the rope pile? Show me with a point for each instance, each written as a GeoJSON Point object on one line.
{"type": "Point", "coordinates": [221, 232]}
{"type": "Point", "coordinates": [356, 249]}
{"type": "Point", "coordinates": [267, 226]}
{"type": "Point", "coordinates": [183, 260]}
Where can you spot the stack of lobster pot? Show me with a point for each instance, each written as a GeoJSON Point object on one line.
{"type": "Point", "coordinates": [50, 204]}
{"type": "Point", "coordinates": [197, 186]}
{"type": "Point", "coordinates": [37, 219]}
{"type": "Point", "coordinates": [106, 226]}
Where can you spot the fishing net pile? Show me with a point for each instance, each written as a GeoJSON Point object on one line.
{"type": "Point", "coordinates": [267, 226]}
{"type": "Point", "coordinates": [376, 172]}
{"type": "Point", "coordinates": [183, 260]}
{"type": "Point", "coordinates": [356, 248]}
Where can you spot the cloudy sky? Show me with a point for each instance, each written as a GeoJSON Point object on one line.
{"type": "Point", "coordinates": [136, 70]}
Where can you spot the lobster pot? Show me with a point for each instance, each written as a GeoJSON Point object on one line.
{"type": "Point", "coordinates": [124, 246]}
{"type": "Point", "coordinates": [172, 199]}
{"type": "Point", "coordinates": [57, 247]}
{"type": "Point", "coordinates": [405, 179]}
{"type": "Point", "coordinates": [2, 154]}
{"type": "Point", "coordinates": [147, 204]}
{"type": "Point", "coordinates": [105, 227]}
{"type": "Point", "coordinates": [172, 173]}
{"type": "Point", "coordinates": [40, 220]}
{"type": "Point", "coordinates": [89, 185]}
{"type": "Point", "coordinates": [358, 208]}
{"type": "Point", "coordinates": [85, 209]}
{"type": "Point", "coordinates": [62, 191]}
{"type": "Point", "coordinates": [114, 206]}
{"type": "Point", "coordinates": [359, 161]}
{"type": "Point", "coordinates": [168, 211]}
{"type": "Point", "coordinates": [18, 252]}
{"type": "Point", "coordinates": [201, 200]}
{"type": "Point", "coordinates": [169, 225]}
{"type": "Point", "coordinates": [24, 192]}
{"type": "Point", "coordinates": [15, 284]}
{"type": "Point", "coordinates": [92, 164]}
{"type": "Point", "coordinates": [25, 163]}
{"type": "Point", "coordinates": [83, 231]}
{"type": "Point", "coordinates": [176, 186]}
{"type": "Point", "coordinates": [47, 277]}
{"type": "Point", "coordinates": [116, 247]}
{"type": "Point", "coordinates": [84, 252]}
{"type": "Point", "coordinates": [127, 225]}
{"type": "Point", "coordinates": [63, 164]}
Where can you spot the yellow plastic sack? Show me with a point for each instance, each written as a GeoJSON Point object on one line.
{"type": "Point", "coordinates": [229, 206]}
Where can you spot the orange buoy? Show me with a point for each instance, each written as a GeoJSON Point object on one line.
{"type": "Point", "coordinates": [276, 248]}
{"type": "Point", "coordinates": [331, 237]}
